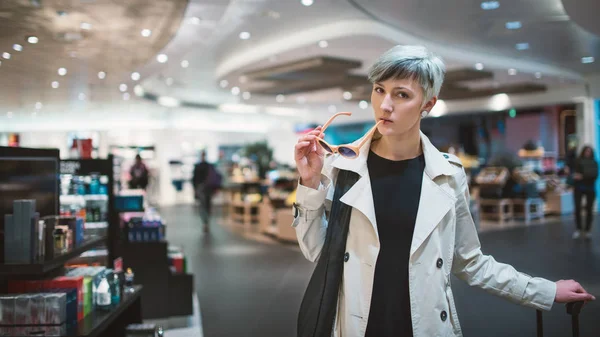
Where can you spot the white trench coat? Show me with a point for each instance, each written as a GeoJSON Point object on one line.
{"type": "Point", "coordinates": [444, 241]}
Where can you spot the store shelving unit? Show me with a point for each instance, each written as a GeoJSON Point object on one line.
{"type": "Point", "coordinates": [97, 323]}
{"type": "Point", "coordinates": [43, 267]}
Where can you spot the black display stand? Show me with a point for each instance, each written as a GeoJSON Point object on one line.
{"type": "Point", "coordinates": [98, 323]}
{"type": "Point", "coordinates": [166, 294]}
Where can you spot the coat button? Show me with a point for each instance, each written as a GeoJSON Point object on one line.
{"type": "Point", "coordinates": [346, 257]}
{"type": "Point", "coordinates": [440, 263]}
{"type": "Point", "coordinates": [444, 316]}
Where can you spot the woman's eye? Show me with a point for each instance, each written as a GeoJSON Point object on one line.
{"type": "Point", "coordinates": [402, 95]}
{"type": "Point", "coordinates": [379, 90]}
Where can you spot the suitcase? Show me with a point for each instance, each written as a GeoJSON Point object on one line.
{"type": "Point", "coordinates": [573, 309]}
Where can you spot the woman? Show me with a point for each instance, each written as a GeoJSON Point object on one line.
{"type": "Point", "coordinates": [410, 224]}
{"type": "Point", "coordinates": [586, 172]}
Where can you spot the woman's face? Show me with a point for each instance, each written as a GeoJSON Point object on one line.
{"type": "Point", "coordinates": [399, 102]}
{"type": "Point", "coordinates": [587, 153]}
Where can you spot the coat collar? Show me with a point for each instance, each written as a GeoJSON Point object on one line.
{"type": "Point", "coordinates": [435, 163]}
{"type": "Point", "coordinates": [434, 203]}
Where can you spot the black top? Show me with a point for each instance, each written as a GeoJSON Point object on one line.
{"type": "Point", "coordinates": [396, 187]}
{"type": "Point", "coordinates": [200, 173]}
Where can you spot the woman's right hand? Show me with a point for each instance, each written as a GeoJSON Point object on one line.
{"type": "Point", "coordinates": [309, 156]}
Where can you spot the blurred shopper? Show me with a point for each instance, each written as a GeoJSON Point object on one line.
{"type": "Point", "coordinates": [139, 174]}
{"type": "Point", "coordinates": [206, 181]}
{"type": "Point", "coordinates": [584, 176]}
{"type": "Point", "coordinates": [409, 226]}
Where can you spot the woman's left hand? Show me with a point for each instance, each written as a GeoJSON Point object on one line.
{"type": "Point", "coordinates": [571, 291]}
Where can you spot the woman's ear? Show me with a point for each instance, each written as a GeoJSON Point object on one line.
{"type": "Point", "coordinates": [429, 105]}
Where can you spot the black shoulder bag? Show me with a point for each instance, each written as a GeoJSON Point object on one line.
{"type": "Point", "coordinates": [318, 308]}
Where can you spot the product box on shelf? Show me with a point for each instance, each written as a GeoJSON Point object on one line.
{"type": "Point", "coordinates": [34, 309]}
{"type": "Point", "coordinates": [21, 233]}
{"type": "Point", "coordinates": [39, 286]}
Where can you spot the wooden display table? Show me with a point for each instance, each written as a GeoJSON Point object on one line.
{"type": "Point", "coordinates": [496, 209]}
{"type": "Point", "coordinates": [244, 212]}
{"type": "Point", "coordinates": [560, 203]}
{"type": "Point", "coordinates": [530, 208]}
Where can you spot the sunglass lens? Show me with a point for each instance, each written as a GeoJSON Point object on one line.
{"type": "Point", "coordinates": [325, 146]}
{"type": "Point", "coordinates": [347, 152]}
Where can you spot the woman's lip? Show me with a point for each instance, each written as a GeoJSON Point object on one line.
{"type": "Point", "coordinates": [386, 120]}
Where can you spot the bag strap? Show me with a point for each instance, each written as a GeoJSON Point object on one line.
{"type": "Point", "coordinates": [332, 255]}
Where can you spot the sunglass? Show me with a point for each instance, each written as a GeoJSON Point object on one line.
{"type": "Point", "coordinates": [346, 150]}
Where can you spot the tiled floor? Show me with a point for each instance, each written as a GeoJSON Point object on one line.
{"type": "Point", "coordinates": [251, 285]}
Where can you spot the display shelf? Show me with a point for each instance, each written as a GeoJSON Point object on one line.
{"type": "Point", "coordinates": [97, 322]}
{"type": "Point", "coordinates": [95, 197]}
{"type": "Point", "coordinates": [43, 267]}
{"type": "Point", "coordinates": [96, 225]}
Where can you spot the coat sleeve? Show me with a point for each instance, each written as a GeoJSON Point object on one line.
{"type": "Point", "coordinates": [311, 227]}
{"type": "Point", "coordinates": [483, 271]}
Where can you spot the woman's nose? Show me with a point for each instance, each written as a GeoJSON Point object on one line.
{"type": "Point", "coordinates": [387, 104]}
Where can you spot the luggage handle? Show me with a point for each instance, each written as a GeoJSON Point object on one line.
{"type": "Point", "coordinates": [573, 309]}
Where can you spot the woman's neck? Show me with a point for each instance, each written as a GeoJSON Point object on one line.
{"type": "Point", "coordinates": [401, 147]}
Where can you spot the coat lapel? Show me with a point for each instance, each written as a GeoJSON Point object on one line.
{"type": "Point", "coordinates": [359, 196]}
{"type": "Point", "coordinates": [434, 202]}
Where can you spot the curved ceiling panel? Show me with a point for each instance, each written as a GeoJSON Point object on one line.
{"type": "Point", "coordinates": [585, 13]}
{"type": "Point", "coordinates": [84, 38]}
{"type": "Point", "coordinates": [551, 37]}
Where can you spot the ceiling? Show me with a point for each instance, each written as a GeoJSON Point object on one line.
{"type": "Point", "coordinates": [83, 36]}
{"type": "Point", "coordinates": [204, 35]}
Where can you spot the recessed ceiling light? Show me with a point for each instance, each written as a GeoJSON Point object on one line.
{"type": "Point", "coordinates": [146, 32]}
{"type": "Point", "coordinates": [538, 75]}
{"type": "Point", "coordinates": [513, 25]}
{"type": "Point", "coordinates": [139, 90]}
{"type": "Point", "coordinates": [126, 96]}
{"type": "Point", "coordinates": [307, 2]}
{"type": "Point", "coordinates": [81, 96]}
{"type": "Point", "coordinates": [347, 95]}
{"type": "Point", "coordinates": [195, 20]}
{"type": "Point", "coordinates": [38, 105]}
{"type": "Point", "coordinates": [522, 46]}
{"type": "Point", "coordinates": [185, 64]}
{"type": "Point", "coordinates": [9, 114]}
{"type": "Point", "coordinates": [101, 75]}
{"type": "Point", "coordinates": [85, 26]}
{"type": "Point", "coordinates": [363, 104]}
{"type": "Point", "coordinates": [169, 102]}
{"type": "Point", "coordinates": [55, 84]}
{"type": "Point", "coordinates": [123, 87]}
{"type": "Point", "coordinates": [246, 95]}
{"type": "Point", "coordinates": [62, 71]}
{"type": "Point", "coordinates": [162, 58]}
{"type": "Point", "coordinates": [6, 55]}
{"type": "Point", "coordinates": [587, 59]}
{"type": "Point", "coordinates": [280, 98]}
{"type": "Point", "coordinates": [332, 109]}
{"type": "Point", "coordinates": [223, 83]}
{"type": "Point", "coordinates": [479, 66]}
{"type": "Point", "coordinates": [235, 91]}
{"type": "Point", "coordinates": [169, 81]}
{"type": "Point", "coordinates": [489, 5]}
{"type": "Point", "coordinates": [32, 39]}
{"type": "Point", "coordinates": [135, 76]}
{"type": "Point", "coordinates": [512, 71]}
{"type": "Point", "coordinates": [244, 35]}
{"type": "Point", "coordinates": [323, 44]}
{"type": "Point", "coordinates": [17, 47]}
